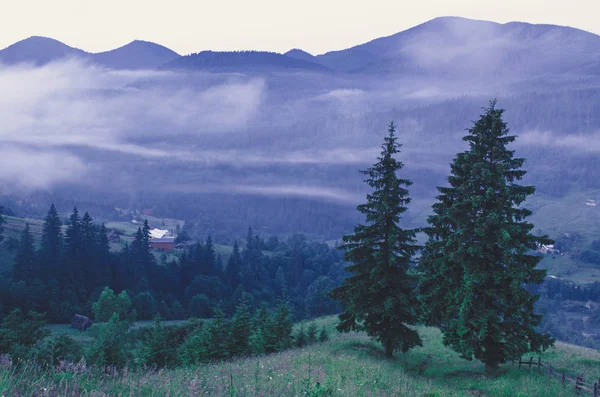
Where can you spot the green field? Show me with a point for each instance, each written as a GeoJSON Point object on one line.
{"type": "Point", "coordinates": [348, 365]}
{"type": "Point", "coordinates": [556, 216]}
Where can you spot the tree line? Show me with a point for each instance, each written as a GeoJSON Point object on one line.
{"type": "Point", "coordinates": [472, 276]}
{"type": "Point", "coordinates": [67, 270]}
{"type": "Point", "coordinates": [24, 337]}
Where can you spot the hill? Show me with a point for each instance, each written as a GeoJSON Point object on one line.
{"type": "Point", "coordinates": [136, 55]}
{"type": "Point", "coordinates": [301, 55]}
{"type": "Point", "coordinates": [451, 46]}
{"type": "Point", "coordinates": [39, 51]}
{"type": "Point", "coordinates": [241, 61]}
{"type": "Point", "coordinates": [347, 365]}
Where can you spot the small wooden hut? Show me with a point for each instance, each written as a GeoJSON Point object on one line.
{"type": "Point", "coordinates": [80, 322]}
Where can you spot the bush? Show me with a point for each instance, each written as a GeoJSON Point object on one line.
{"type": "Point", "coordinates": [51, 351]}
{"type": "Point", "coordinates": [110, 346]}
{"type": "Point", "coordinates": [19, 333]}
{"type": "Point", "coordinates": [109, 303]}
{"type": "Point", "coordinates": [199, 306]}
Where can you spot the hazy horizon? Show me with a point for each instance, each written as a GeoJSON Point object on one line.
{"type": "Point", "coordinates": [333, 27]}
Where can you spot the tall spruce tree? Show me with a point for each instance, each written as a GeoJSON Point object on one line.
{"type": "Point", "coordinates": [234, 267]}
{"type": "Point", "coordinates": [209, 258]}
{"type": "Point", "coordinates": [241, 329]}
{"type": "Point", "coordinates": [477, 261]}
{"type": "Point", "coordinates": [25, 261]}
{"type": "Point", "coordinates": [52, 242]}
{"type": "Point", "coordinates": [72, 276]}
{"type": "Point", "coordinates": [379, 294]}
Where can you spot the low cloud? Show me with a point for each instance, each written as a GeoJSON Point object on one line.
{"type": "Point", "coordinates": [589, 143]}
{"type": "Point", "coordinates": [33, 168]}
{"type": "Point", "coordinates": [47, 111]}
{"type": "Point", "coordinates": [336, 195]}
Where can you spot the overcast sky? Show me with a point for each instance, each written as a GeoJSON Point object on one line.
{"type": "Point", "coordinates": [316, 26]}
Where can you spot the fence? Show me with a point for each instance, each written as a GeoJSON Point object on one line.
{"type": "Point", "coordinates": [581, 384]}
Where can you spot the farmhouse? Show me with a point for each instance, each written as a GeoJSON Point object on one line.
{"type": "Point", "coordinates": [166, 244]}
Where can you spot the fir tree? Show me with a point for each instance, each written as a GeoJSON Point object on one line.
{"type": "Point", "coordinates": [300, 337]}
{"type": "Point", "coordinates": [156, 348]}
{"type": "Point", "coordinates": [209, 258]}
{"type": "Point", "coordinates": [72, 273]}
{"type": "Point", "coordinates": [282, 325]}
{"type": "Point", "coordinates": [311, 333]}
{"type": "Point", "coordinates": [477, 261]}
{"type": "Point", "coordinates": [89, 253]}
{"type": "Point", "coordinates": [25, 261]}
{"type": "Point", "coordinates": [323, 335]}
{"type": "Point", "coordinates": [103, 256]}
{"type": "Point", "coordinates": [218, 332]}
{"type": "Point", "coordinates": [240, 329]}
{"type": "Point", "coordinates": [234, 267]}
{"type": "Point", "coordinates": [379, 293]}
{"type": "Point", "coordinates": [261, 340]}
{"type": "Point", "coordinates": [52, 242]}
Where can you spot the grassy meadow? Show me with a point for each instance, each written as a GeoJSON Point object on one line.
{"type": "Point", "coordinates": [347, 365]}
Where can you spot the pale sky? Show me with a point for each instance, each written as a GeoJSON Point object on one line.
{"type": "Point", "coordinates": [316, 26]}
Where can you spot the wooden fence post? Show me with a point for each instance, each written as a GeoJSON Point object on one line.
{"type": "Point", "coordinates": [549, 372]}
{"type": "Point", "coordinates": [577, 382]}
{"type": "Point", "coordinates": [539, 364]}
{"type": "Point", "coordinates": [595, 389]}
{"type": "Point", "coordinates": [530, 362]}
{"type": "Point", "coordinates": [520, 362]}
{"type": "Point", "coordinates": [563, 378]}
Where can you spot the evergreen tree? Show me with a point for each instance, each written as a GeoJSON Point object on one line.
{"type": "Point", "coordinates": [89, 254]}
{"type": "Point", "coordinates": [103, 258]}
{"type": "Point", "coordinates": [279, 280]}
{"type": "Point", "coordinates": [234, 267]}
{"type": "Point", "coordinates": [477, 261]}
{"type": "Point", "coordinates": [263, 339]}
{"type": "Point", "coordinates": [218, 333]}
{"type": "Point", "coordinates": [72, 273]}
{"type": "Point", "coordinates": [323, 335]}
{"type": "Point", "coordinates": [300, 337]}
{"type": "Point", "coordinates": [73, 238]}
{"type": "Point", "coordinates": [311, 333]}
{"type": "Point", "coordinates": [156, 348]}
{"type": "Point", "coordinates": [240, 330]}
{"type": "Point", "coordinates": [52, 242]}
{"type": "Point", "coordinates": [282, 325]}
{"type": "Point", "coordinates": [379, 294]}
{"type": "Point", "coordinates": [198, 258]}
{"type": "Point", "coordinates": [25, 261]}
{"type": "Point", "coordinates": [209, 259]}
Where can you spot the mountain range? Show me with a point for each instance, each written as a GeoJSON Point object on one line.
{"type": "Point", "coordinates": [445, 47]}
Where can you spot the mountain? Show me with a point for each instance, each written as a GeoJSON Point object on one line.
{"type": "Point", "coordinates": [136, 55]}
{"type": "Point", "coordinates": [301, 55]}
{"type": "Point", "coordinates": [38, 51]}
{"type": "Point", "coordinates": [452, 46]}
{"type": "Point", "coordinates": [42, 50]}
{"type": "Point", "coordinates": [241, 61]}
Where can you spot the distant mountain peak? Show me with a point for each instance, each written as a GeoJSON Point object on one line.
{"type": "Point", "coordinates": [298, 51]}
{"type": "Point", "coordinates": [38, 50]}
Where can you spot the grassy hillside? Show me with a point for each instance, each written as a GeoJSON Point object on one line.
{"type": "Point", "coordinates": [347, 365]}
